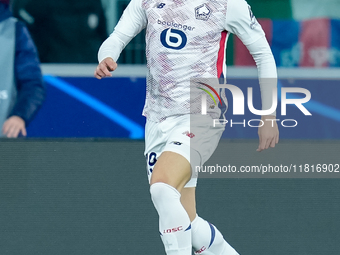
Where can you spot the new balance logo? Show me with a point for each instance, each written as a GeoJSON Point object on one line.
{"type": "Point", "coordinates": [160, 5]}
{"type": "Point", "coordinates": [176, 143]}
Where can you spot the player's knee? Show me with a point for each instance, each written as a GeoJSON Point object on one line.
{"type": "Point", "coordinates": [162, 194]}
{"type": "Point", "coordinates": [156, 192]}
{"type": "Point", "coordinates": [158, 178]}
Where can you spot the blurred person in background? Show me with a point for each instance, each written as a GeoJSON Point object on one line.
{"type": "Point", "coordinates": [64, 31]}
{"type": "Point", "coordinates": [22, 91]}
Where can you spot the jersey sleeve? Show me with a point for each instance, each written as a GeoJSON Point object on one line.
{"type": "Point", "coordinates": [133, 19]}
{"type": "Point", "coordinates": [267, 73]}
{"type": "Point", "coordinates": [241, 21]}
{"type": "Point", "coordinates": [130, 24]}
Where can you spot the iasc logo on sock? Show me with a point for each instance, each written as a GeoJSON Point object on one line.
{"type": "Point", "coordinates": [200, 250]}
{"type": "Point", "coordinates": [172, 230]}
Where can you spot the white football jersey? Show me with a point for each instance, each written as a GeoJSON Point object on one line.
{"type": "Point", "coordinates": [184, 40]}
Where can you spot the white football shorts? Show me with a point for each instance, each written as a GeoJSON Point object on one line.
{"type": "Point", "coordinates": [192, 136]}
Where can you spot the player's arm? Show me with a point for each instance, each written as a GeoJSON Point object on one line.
{"type": "Point", "coordinates": [241, 22]}
{"type": "Point", "coordinates": [130, 24]}
{"type": "Point", "coordinates": [269, 132]}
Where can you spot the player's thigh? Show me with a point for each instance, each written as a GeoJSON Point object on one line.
{"type": "Point", "coordinates": [188, 201]}
{"type": "Point", "coordinates": [173, 169]}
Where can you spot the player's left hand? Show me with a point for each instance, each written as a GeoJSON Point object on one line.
{"type": "Point", "coordinates": [104, 68]}
{"type": "Point", "coordinates": [13, 126]}
{"type": "Point", "coordinates": [268, 133]}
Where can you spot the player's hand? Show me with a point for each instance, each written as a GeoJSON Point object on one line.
{"type": "Point", "coordinates": [104, 68]}
{"type": "Point", "coordinates": [13, 126]}
{"type": "Point", "coordinates": [268, 133]}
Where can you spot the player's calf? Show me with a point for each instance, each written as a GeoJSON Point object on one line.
{"type": "Point", "coordinates": [174, 222]}
{"type": "Point", "coordinates": [208, 240]}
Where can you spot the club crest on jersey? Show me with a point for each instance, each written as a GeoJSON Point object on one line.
{"type": "Point", "coordinates": [203, 12]}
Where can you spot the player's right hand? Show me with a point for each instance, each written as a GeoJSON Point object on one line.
{"type": "Point", "coordinates": [104, 68]}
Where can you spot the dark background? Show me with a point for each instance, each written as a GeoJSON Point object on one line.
{"type": "Point", "coordinates": [90, 196]}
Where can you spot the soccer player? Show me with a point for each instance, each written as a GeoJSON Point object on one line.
{"type": "Point", "coordinates": [186, 40]}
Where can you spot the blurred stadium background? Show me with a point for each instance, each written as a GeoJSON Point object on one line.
{"type": "Point", "coordinates": [77, 184]}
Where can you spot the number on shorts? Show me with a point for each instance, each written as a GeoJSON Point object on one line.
{"type": "Point", "coordinates": [152, 160]}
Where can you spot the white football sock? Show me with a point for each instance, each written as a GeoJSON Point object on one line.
{"type": "Point", "coordinates": [207, 240]}
{"type": "Point", "coordinates": [174, 222]}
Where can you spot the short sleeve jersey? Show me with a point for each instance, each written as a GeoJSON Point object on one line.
{"type": "Point", "coordinates": [184, 40]}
